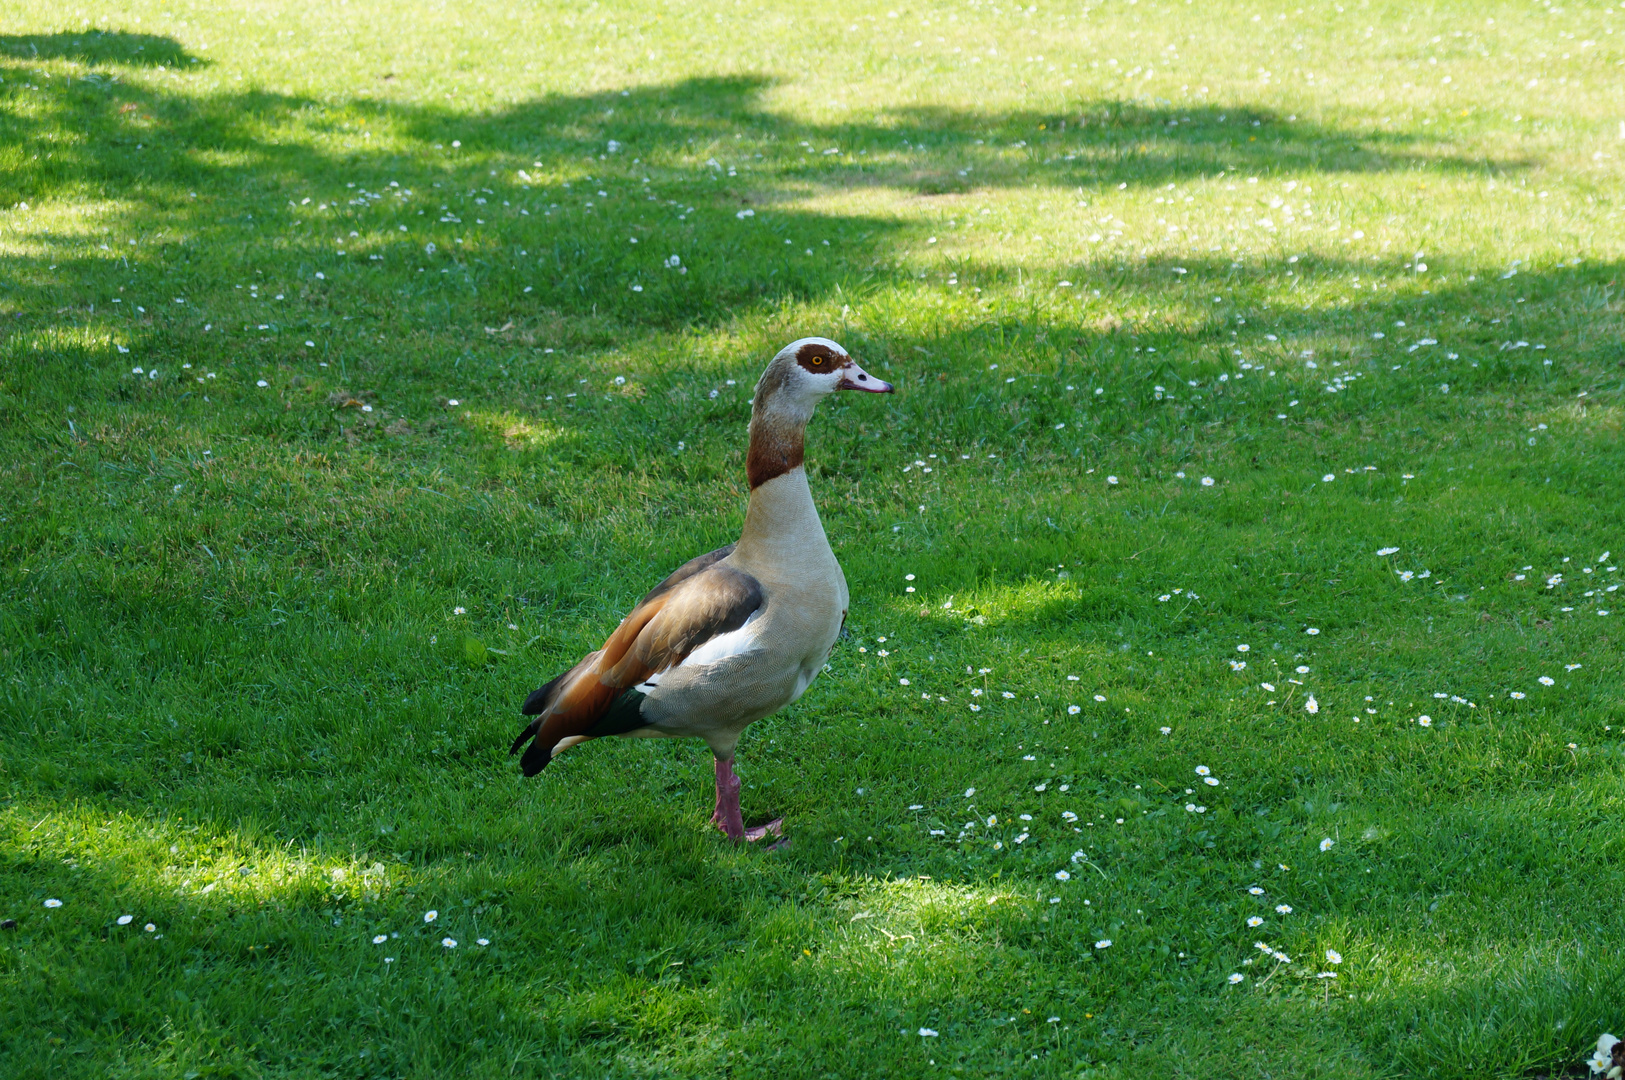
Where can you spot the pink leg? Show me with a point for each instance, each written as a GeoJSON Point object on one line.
{"type": "Point", "coordinates": [727, 816]}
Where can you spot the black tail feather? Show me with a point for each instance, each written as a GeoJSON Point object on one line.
{"type": "Point", "coordinates": [525, 736]}
{"type": "Point", "coordinates": [536, 758]}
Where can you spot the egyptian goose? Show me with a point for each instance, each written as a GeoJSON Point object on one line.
{"type": "Point", "coordinates": [736, 634]}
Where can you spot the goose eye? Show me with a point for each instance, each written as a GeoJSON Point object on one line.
{"type": "Point", "coordinates": [817, 360]}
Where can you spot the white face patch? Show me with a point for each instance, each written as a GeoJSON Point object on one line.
{"type": "Point", "coordinates": [811, 386]}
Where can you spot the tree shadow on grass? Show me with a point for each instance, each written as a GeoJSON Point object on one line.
{"type": "Point", "coordinates": [1147, 424]}
{"type": "Point", "coordinates": [97, 47]}
{"type": "Point", "coordinates": [1125, 141]}
{"type": "Point", "coordinates": [701, 169]}
{"type": "Point", "coordinates": [515, 229]}
{"type": "Point", "coordinates": [657, 943]}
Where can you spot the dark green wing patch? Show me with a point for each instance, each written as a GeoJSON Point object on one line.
{"type": "Point", "coordinates": [625, 713]}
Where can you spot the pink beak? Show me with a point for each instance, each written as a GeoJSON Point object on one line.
{"type": "Point", "coordinates": [855, 378]}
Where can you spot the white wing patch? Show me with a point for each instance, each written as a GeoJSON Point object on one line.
{"type": "Point", "coordinates": [720, 647]}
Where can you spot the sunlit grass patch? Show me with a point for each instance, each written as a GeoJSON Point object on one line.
{"type": "Point", "coordinates": [514, 431]}
{"type": "Point", "coordinates": [128, 863]}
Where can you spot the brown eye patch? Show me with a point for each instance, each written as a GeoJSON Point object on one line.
{"type": "Point", "coordinates": [820, 359]}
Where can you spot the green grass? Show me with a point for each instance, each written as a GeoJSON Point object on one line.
{"type": "Point", "coordinates": [240, 515]}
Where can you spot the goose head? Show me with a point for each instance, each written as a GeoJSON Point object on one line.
{"type": "Point", "coordinates": [804, 373]}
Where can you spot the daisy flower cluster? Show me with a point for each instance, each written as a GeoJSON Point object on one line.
{"type": "Point", "coordinates": [380, 938]}
{"type": "Point", "coordinates": [429, 918]}
{"type": "Point", "coordinates": [1283, 962]}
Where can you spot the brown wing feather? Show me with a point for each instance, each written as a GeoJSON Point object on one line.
{"type": "Point", "coordinates": [686, 571]}
{"type": "Point", "coordinates": [696, 603]}
{"type": "Point", "coordinates": [540, 700]}
{"type": "Point", "coordinates": [713, 602]}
